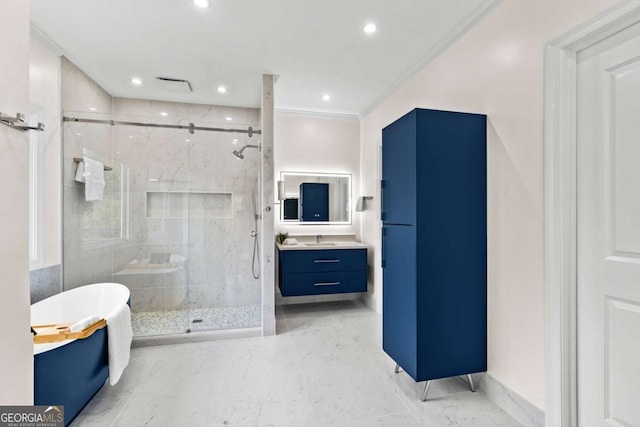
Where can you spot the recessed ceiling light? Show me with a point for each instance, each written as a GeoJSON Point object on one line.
{"type": "Point", "coordinates": [228, 119]}
{"type": "Point", "coordinates": [130, 136]}
{"type": "Point", "coordinates": [164, 114]}
{"type": "Point", "coordinates": [92, 108]}
{"type": "Point", "coordinates": [235, 141]}
{"type": "Point", "coordinates": [187, 140]}
{"type": "Point", "coordinates": [78, 134]}
{"type": "Point", "coordinates": [202, 3]}
{"type": "Point", "coordinates": [154, 179]}
{"type": "Point", "coordinates": [370, 28]}
{"type": "Point", "coordinates": [326, 97]}
{"type": "Point", "coordinates": [136, 81]}
{"type": "Point", "coordinates": [222, 89]}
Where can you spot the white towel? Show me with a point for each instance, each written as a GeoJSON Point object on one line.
{"type": "Point", "coordinates": [91, 172]}
{"type": "Point", "coordinates": [120, 336]}
{"type": "Point", "coordinates": [290, 241]}
{"type": "Point", "coordinates": [84, 323]}
{"type": "Point", "coordinates": [80, 171]}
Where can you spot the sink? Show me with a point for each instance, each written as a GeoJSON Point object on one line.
{"type": "Point", "coordinates": [320, 244]}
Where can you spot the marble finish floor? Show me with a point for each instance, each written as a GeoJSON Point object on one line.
{"type": "Point", "coordinates": [324, 368]}
{"type": "Point", "coordinates": [153, 323]}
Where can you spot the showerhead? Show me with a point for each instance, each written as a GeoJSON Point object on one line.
{"type": "Point", "coordinates": [238, 153]}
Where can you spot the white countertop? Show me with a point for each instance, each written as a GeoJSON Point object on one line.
{"type": "Point", "coordinates": [305, 246]}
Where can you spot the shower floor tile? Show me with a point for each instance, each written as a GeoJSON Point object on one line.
{"type": "Point", "coordinates": [151, 323]}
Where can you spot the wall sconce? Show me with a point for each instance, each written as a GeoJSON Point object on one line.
{"type": "Point", "coordinates": [281, 196]}
{"type": "Point", "coordinates": [361, 206]}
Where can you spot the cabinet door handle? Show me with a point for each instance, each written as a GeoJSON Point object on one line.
{"type": "Point", "coordinates": [322, 261]}
{"type": "Point", "coordinates": [326, 284]}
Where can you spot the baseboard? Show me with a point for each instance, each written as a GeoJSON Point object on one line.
{"type": "Point", "coordinates": [512, 403]}
{"type": "Point", "coordinates": [370, 301]}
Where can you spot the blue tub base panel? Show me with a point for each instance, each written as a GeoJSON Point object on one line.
{"type": "Point", "coordinates": [72, 374]}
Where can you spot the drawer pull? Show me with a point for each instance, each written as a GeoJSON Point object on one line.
{"type": "Point", "coordinates": [326, 284]}
{"type": "Point", "coordinates": [322, 261]}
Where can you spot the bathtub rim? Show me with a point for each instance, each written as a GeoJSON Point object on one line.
{"type": "Point", "coordinates": [93, 287]}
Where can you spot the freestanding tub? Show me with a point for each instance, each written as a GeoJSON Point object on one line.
{"type": "Point", "coordinates": [71, 372]}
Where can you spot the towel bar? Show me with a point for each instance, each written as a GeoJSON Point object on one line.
{"type": "Point", "coordinates": [79, 159]}
{"type": "Point", "coordinates": [18, 122]}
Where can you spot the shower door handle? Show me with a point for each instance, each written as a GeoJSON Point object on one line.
{"type": "Point", "coordinates": [254, 233]}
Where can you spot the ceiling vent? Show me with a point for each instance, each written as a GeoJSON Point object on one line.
{"type": "Point", "coordinates": [174, 85]}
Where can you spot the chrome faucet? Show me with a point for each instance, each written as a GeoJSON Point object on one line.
{"type": "Point", "coordinates": [318, 237]}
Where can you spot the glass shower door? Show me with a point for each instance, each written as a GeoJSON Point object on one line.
{"type": "Point", "coordinates": [154, 264]}
{"type": "Point", "coordinates": [223, 292]}
{"type": "Point", "coordinates": [177, 225]}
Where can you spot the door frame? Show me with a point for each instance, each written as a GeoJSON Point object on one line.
{"type": "Point", "coordinates": [560, 202]}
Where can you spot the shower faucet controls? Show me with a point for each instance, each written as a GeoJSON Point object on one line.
{"type": "Point", "coordinates": [268, 209]}
{"type": "Point", "coordinates": [254, 233]}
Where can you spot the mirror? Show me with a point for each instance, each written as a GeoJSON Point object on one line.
{"type": "Point", "coordinates": [316, 198]}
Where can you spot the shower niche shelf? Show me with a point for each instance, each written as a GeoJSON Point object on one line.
{"type": "Point", "coordinates": [188, 204]}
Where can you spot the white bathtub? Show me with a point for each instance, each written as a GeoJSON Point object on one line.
{"type": "Point", "coordinates": [91, 300]}
{"type": "Point", "coordinates": [71, 372]}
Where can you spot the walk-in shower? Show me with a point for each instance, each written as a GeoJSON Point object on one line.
{"type": "Point", "coordinates": [174, 222]}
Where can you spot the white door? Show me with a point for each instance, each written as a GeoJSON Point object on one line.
{"type": "Point", "coordinates": [608, 143]}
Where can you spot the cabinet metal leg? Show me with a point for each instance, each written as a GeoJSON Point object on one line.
{"type": "Point", "coordinates": [471, 384]}
{"type": "Point", "coordinates": [397, 368]}
{"type": "Point", "coordinates": [426, 391]}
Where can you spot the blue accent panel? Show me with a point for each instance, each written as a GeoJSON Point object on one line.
{"type": "Point", "coordinates": [72, 374]}
{"type": "Point", "coordinates": [334, 282]}
{"type": "Point", "coordinates": [399, 171]}
{"type": "Point", "coordinates": [399, 339]}
{"type": "Point", "coordinates": [308, 261]}
{"type": "Point", "coordinates": [314, 202]}
{"type": "Point", "coordinates": [444, 257]}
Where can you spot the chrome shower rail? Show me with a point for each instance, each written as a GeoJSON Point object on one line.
{"type": "Point", "coordinates": [190, 127]}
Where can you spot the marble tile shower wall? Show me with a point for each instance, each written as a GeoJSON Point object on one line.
{"type": "Point", "coordinates": [87, 258]}
{"type": "Point", "coordinates": [217, 248]}
{"type": "Point", "coordinates": [199, 260]}
{"type": "Point", "coordinates": [195, 255]}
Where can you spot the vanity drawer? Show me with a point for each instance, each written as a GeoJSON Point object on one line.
{"type": "Point", "coordinates": [323, 283]}
{"type": "Point", "coordinates": [310, 261]}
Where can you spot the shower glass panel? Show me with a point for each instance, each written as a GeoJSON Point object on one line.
{"type": "Point", "coordinates": [176, 224]}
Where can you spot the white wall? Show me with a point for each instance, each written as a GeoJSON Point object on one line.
{"type": "Point", "coordinates": [16, 356]}
{"type": "Point", "coordinates": [44, 73]}
{"type": "Point", "coordinates": [317, 143]}
{"type": "Point", "coordinates": [496, 69]}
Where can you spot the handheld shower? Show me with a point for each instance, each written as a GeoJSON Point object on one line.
{"type": "Point", "coordinates": [238, 153]}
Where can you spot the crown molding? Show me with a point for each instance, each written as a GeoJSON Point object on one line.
{"type": "Point", "coordinates": [43, 38]}
{"type": "Point", "coordinates": [316, 114]}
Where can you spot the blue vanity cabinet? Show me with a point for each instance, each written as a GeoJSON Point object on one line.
{"type": "Point", "coordinates": [314, 202]}
{"type": "Point", "coordinates": [434, 243]}
{"type": "Point", "coordinates": [322, 271]}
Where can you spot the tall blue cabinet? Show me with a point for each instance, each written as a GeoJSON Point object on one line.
{"type": "Point", "coordinates": [434, 244]}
